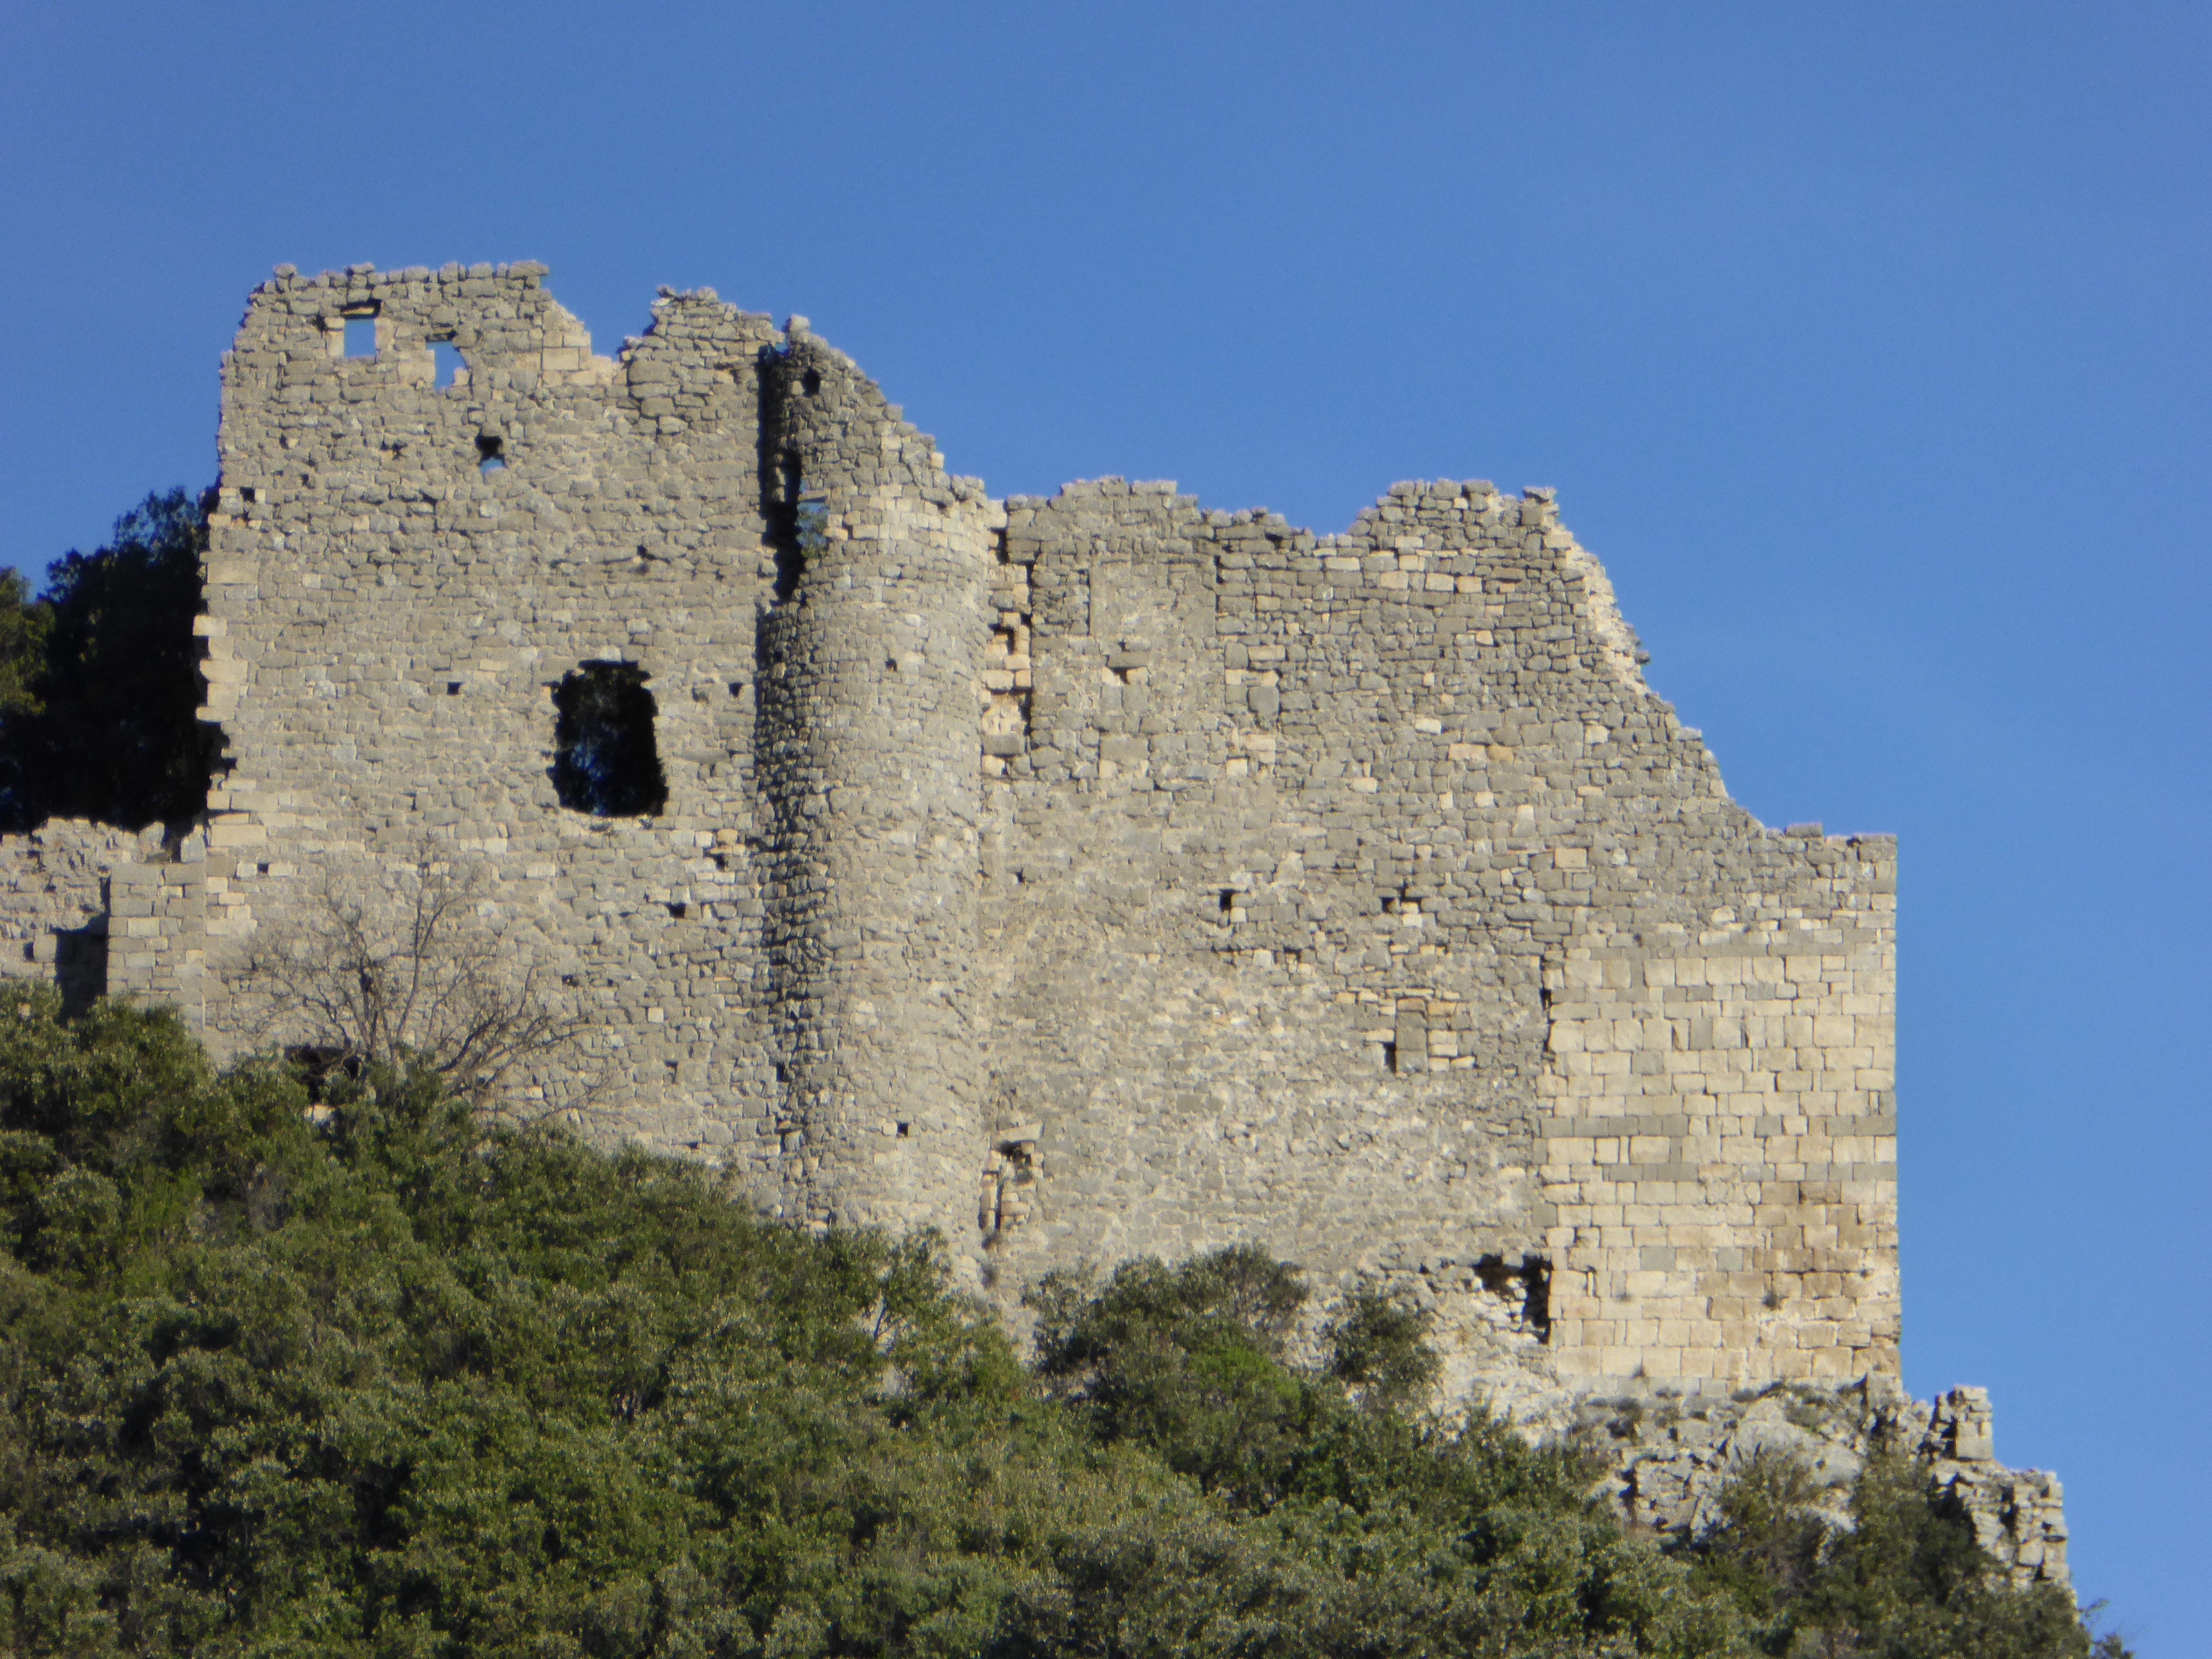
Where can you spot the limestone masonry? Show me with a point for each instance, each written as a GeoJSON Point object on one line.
{"type": "Point", "coordinates": [1084, 877]}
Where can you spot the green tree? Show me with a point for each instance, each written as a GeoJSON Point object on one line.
{"type": "Point", "coordinates": [1380, 1348]}
{"type": "Point", "coordinates": [24, 627]}
{"type": "Point", "coordinates": [99, 680]}
{"type": "Point", "coordinates": [1905, 1581]}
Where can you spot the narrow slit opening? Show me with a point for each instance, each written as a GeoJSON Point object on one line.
{"type": "Point", "coordinates": [794, 532]}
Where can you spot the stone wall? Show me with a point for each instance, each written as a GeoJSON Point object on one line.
{"type": "Point", "coordinates": [1083, 876]}
{"type": "Point", "coordinates": [403, 572]}
{"type": "Point", "coordinates": [54, 916]}
{"type": "Point", "coordinates": [1353, 894]}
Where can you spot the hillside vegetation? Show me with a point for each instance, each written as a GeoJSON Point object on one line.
{"type": "Point", "coordinates": [377, 1378]}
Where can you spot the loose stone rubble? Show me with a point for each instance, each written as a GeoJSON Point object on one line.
{"type": "Point", "coordinates": [1082, 876]}
{"type": "Point", "coordinates": [1671, 1455]}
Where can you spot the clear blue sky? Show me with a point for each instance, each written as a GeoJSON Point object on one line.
{"type": "Point", "coordinates": [1868, 345]}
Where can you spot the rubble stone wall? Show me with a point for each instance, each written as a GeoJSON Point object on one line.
{"type": "Point", "coordinates": [1355, 894]}
{"type": "Point", "coordinates": [390, 612]}
{"type": "Point", "coordinates": [869, 811]}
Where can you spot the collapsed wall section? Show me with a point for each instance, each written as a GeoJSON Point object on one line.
{"type": "Point", "coordinates": [1671, 1458]}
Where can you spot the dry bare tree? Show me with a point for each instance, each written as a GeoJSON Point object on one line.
{"type": "Point", "coordinates": [407, 974]}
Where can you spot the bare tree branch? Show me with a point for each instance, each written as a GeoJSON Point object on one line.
{"type": "Point", "coordinates": [406, 974]}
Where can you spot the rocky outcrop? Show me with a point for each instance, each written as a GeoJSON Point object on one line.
{"type": "Point", "coordinates": [1671, 1456]}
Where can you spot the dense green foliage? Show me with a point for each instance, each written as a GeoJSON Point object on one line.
{"type": "Point", "coordinates": [376, 1377]}
{"type": "Point", "coordinates": [99, 680]}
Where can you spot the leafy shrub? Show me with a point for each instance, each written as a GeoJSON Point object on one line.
{"type": "Point", "coordinates": [398, 1380]}
{"type": "Point", "coordinates": [1380, 1348]}
{"type": "Point", "coordinates": [1905, 1580]}
{"type": "Point", "coordinates": [1770, 1542]}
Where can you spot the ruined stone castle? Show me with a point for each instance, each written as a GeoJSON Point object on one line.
{"type": "Point", "coordinates": [1084, 877]}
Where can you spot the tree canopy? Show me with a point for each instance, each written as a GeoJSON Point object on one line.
{"type": "Point", "coordinates": [99, 678]}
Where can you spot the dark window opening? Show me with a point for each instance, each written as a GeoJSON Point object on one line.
{"type": "Point", "coordinates": [491, 456]}
{"type": "Point", "coordinates": [679, 910]}
{"type": "Point", "coordinates": [1529, 1282]}
{"type": "Point", "coordinates": [1390, 1057]}
{"type": "Point", "coordinates": [80, 966]}
{"type": "Point", "coordinates": [782, 1072]}
{"type": "Point", "coordinates": [604, 760]}
{"type": "Point", "coordinates": [453, 688]}
{"type": "Point", "coordinates": [450, 368]}
{"type": "Point", "coordinates": [906, 1131]}
{"type": "Point", "coordinates": [811, 382]}
{"type": "Point", "coordinates": [361, 335]}
{"type": "Point", "coordinates": [1227, 900]}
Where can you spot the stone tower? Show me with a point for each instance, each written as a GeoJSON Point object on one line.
{"type": "Point", "coordinates": [870, 801]}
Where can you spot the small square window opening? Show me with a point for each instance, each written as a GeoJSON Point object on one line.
{"type": "Point", "coordinates": [361, 336]}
